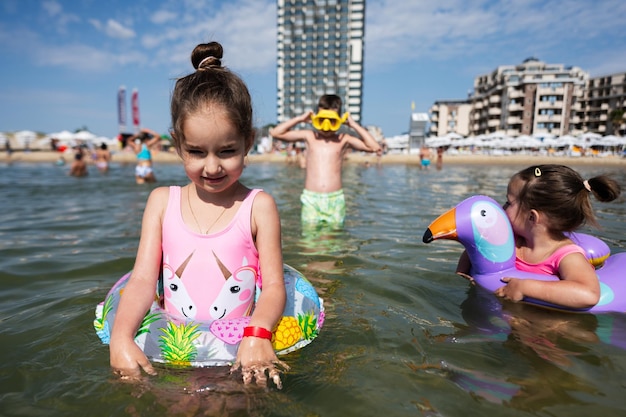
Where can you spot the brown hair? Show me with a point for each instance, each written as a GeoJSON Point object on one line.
{"type": "Point", "coordinates": [330, 102]}
{"type": "Point", "coordinates": [562, 194]}
{"type": "Point", "coordinates": [211, 84]}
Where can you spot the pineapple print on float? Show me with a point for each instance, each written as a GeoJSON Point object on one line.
{"type": "Point", "coordinates": [189, 342]}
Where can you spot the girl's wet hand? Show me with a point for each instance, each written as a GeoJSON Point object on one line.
{"type": "Point", "coordinates": [258, 362]}
{"type": "Point", "coordinates": [261, 373]}
{"type": "Point", "coordinates": [127, 361]}
{"type": "Point", "coordinates": [512, 291]}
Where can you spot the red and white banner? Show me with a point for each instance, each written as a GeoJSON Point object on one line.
{"type": "Point", "coordinates": [135, 107]}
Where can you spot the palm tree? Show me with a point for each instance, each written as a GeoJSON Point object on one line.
{"type": "Point", "coordinates": [617, 119]}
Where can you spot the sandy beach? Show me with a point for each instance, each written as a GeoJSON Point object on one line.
{"type": "Point", "coordinates": [167, 157]}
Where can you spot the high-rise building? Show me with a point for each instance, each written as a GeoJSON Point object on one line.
{"type": "Point", "coordinates": [320, 51]}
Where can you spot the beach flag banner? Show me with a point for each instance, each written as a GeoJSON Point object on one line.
{"type": "Point", "coordinates": [121, 109]}
{"type": "Point", "coordinates": [135, 106]}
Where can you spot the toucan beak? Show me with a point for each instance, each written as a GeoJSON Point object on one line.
{"type": "Point", "coordinates": [444, 227]}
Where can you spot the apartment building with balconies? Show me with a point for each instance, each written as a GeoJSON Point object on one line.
{"type": "Point", "coordinates": [450, 116]}
{"type": "Point", "coordinates": [530, 98]}
{"type": "Point", "coordinates": [602, 97]}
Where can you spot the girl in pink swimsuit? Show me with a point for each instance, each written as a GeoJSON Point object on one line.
{"type": "Point", "coordinates": [544, 202]}
{"type": "Point", "coordinates": [209, 230]}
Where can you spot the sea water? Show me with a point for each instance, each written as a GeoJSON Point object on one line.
{"type": "Point", "coordinates": [403, 335]}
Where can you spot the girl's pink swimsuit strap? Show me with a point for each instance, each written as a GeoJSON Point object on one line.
{"type": "Point", "coordinates": [550, 266]}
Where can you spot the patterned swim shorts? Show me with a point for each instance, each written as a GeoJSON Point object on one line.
{"type": "Point", "coordinates": [329, 208]}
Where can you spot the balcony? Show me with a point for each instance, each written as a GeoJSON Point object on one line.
{"type": "Point", "coordinates": [551, 90]}
{"type": "Point", "coordinates": [547, 118]}
{"type": "Point", "coordinates": [549, 104]}
{"type": "Point", "coordinates": [494, 111]}
{"type": "Point", "coordinates": [514, 120]}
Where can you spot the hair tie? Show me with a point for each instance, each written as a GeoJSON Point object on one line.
{"type": "Point", "coordinates": [205, 60]}
{"type": "Point", "coordinates": [537, 172]}
{"type": "Point", "coordinates": [587, 186]}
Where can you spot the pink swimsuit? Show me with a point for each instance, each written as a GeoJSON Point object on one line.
{"type": "Point", "coordinates": [550, 266]}
{"type": "Point", "coordinates": [209, 277]}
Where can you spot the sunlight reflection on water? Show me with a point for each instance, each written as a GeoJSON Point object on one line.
{"type": "Point", "coordinates": [403, 335]}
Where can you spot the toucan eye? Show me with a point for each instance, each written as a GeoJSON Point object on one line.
{"type": "Point", "coordinates": [483, 213]}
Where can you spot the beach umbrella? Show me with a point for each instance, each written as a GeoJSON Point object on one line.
{"type": "Point", "coordinates": [543, 136]}
{"type": "Point", "coordinates": [453, 136]}
{"type": "Point", "coordinates": [108, 141]}
{"type": "Point", "coordinates": [63, 136]}
{"type": "Point", "coordinates": [24, 138]}
{"type": "Point", "coordinates": [436, 141]}
{"type": "Point", "coordinates": [85, 136]}
{"type": "Point", "coordinates": [609, 140]}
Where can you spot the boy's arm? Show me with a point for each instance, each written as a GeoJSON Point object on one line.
{"type": "Point", "coordinates": [283, 130]}
{"type": "Point", "coordinates": [367, 142]}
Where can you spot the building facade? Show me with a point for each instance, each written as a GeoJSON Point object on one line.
{"type": "Point", "coordinates": [603, 97]}
{"type": "Point", "coordinates": [417, 131]}
{"type": "Point", "coordinates": [530, 98]}
{"type": "Point", "coordinates": [320, 51]}
{"type": "Point", "coordinates": [450, 116]}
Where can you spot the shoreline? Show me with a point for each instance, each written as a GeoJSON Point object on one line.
{"type": "Point", "coordinates": [168, 157]}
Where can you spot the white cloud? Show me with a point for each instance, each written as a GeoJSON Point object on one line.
{"type": "Point", "coordinates": [116, 30]}
{"type": "Point", "coordinates": [53, 8]}
{"type": "Point", "coordinates": [162, 16]}
{"type": "Point", "coordinates": [53, 11]}
{"type": "Point", "coordinates": [85, 58]}
{"type": "Point", "coordinates": [246, 29]}
{"type": "Point", "coordinates": [402, 31]}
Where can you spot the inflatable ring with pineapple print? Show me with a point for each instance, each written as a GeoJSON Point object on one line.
{"type": "Point", "coordinates": [187, 342]}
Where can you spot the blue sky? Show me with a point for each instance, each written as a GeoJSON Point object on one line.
{"type": "Point", "coordinates": [63, 60]}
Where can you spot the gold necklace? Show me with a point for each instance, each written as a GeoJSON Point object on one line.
{"type": "Point", "coordinates": [196, 220]}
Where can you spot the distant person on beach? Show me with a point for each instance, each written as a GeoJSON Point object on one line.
{"type": "Point", "coordinates": [102, 158]}
{"type": "Point", "coordinates": [141, 144]}
{"type": "Point", "coordinates": [440, 151]}
{"type": "Point", "coordinates": [425, 156]}
{"type": "Point", "coordinates": [213, 221]}
{"type": "Point", "coordinates": [79, 166]}
{"type": "Point", "coordinates": [323, 200]}
{"type": "Point", "coordinates": [544, 202]}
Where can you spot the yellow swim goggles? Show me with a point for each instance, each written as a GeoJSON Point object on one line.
{"type": "Point", "coordinates": [328, 120]}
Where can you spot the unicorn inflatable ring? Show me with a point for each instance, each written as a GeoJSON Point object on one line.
{"type": "Point", "coordinates": [480, 224]}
